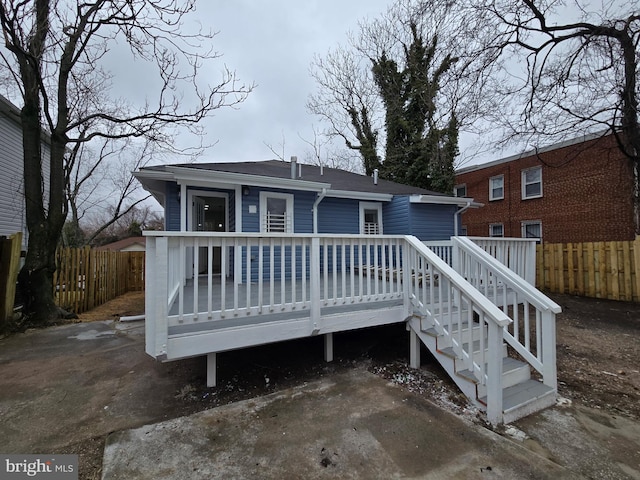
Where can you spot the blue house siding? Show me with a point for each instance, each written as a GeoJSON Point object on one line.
{"type": "Point", "coordinates": [171, 207]}
{"type": "Point", "coordinates": [302, 206]}
{"type": "Point", "coordinates": [432, 221]}
{"type": "Point", "coordinates": [395, 216]}
{"type": "Point", "coordinates": [339, 215]}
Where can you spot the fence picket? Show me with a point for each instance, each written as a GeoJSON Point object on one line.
{"type": "Point", "coordinates": [593, 269]}
{"type": "Point", "coordinates": [86, 278]}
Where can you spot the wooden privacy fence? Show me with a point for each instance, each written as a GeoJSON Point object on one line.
{"type": "Point", "coordinates": [86, 278]}
{"type": "Point", "coordinates": [596, 269]}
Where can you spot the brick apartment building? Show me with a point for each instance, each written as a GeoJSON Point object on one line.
{"type": "Point", "coordinates": [579, 190]}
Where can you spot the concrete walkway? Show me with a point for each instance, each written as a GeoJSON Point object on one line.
{"type": "Point", "coordinates": [352, 425]}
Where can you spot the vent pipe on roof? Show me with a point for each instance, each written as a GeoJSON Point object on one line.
{"type": "Point", "coordinates": [375, 176]}
{"type": "Point", "coordinates": [321, 169]}
{"type": "Point", "coordinates": [294, 161]}
{"type": "Point", "coordinates": [299, 170]}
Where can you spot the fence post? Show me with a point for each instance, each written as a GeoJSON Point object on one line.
{"type": "Point", "coordinates": [10, 263]}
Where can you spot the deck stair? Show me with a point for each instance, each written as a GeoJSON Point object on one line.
{"type": "Point", "coordinates": [521, 394]}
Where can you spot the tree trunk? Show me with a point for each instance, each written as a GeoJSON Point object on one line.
{"type": "Point", "coordinates": [35, 280]}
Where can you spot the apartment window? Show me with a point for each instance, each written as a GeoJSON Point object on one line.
{"type": "Point", "coordinates": [532, 229]}
{"type": "Point", "coordinates": [532, 183]}
{"type": "Point", "coordinates": [496, 188]}
{"type": "Point", "coordinates": [276, 212]}
{"type": "Point", "coordinates": [460, 190]}
{"type": "Point", "coordinates": [496, 230]}
{"type": "Point", "coordinates": [370, 218]}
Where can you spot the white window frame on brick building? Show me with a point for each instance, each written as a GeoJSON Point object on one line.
{"type": "Point", "coordinates": [460, 190]}
{"type": "Point", "coordinates": [532, 183]}
{"type": "Point", "coordinates": [496, 187]}
{"type": "Point", "coordinates": [496, 230]}
{"type": "Point", "coordinates": [532, 229]}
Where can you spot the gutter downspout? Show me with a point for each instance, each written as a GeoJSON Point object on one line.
{"type": "Point", "coordinates": [456, 216]}
{"type": "Point", "coordinates": [314, 209]}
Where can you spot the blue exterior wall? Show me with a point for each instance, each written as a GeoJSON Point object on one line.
{"type": "Point", "coordinates": [335, 215]}
{"type": "Point", "coordinates": [432, 221]}
{"type": "Point", "coordinates": [396, 218]}
{"type": "Point", "coordinates": [339, 215]}
{"type": "Point", "coordinates": [171, 207]}
{"type": "Point", "coordinates": [302, 206]}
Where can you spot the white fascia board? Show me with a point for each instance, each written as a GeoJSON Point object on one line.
{"type": "Point", "coordinates": [153, 175]}
{"type": "Point", "coordinates": [444, 200]}
{"type": "Point", "coordinates": [198, 176]}
{"type": "Point", "coordinates": [372, 196]}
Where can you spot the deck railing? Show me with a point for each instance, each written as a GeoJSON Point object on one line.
{"type": "Point", "coordinates": [197, 280]}
{"type": "Point", "coordinates": [532, 332]}
{"type": "Point", "coordinates": [517, 254]}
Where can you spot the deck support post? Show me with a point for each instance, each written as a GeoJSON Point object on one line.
{"type": "Point", "coordinates": [212, 364]}
{"type": "Point", "coordinates": [328, 347]}
{"type": "Point", "coordinates": [414, 349]}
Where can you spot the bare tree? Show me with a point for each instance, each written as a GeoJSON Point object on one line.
{"type": "Point", "coordinates": [580, 72]}
{"type": "Point", "coordinates": [404, 86]}
{"type": "Point", "coordinates": [54, 55]}
{"type": "Point", "coordinates": [322, 151]}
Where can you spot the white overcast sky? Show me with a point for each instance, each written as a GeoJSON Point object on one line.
{"type": "Point", "coordinates": [272, 44]}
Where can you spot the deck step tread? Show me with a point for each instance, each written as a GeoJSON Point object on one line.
{"type": "Point", "coordinates": [522, 394]}
{"type": "Point", "coordinates": [508, 365]}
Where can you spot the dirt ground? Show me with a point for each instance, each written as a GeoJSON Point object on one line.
{"type": "Point", "coordinates": [598, 366]}
{"type": "Point", "coordinates": [598, 352]}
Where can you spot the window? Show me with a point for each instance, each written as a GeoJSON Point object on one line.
{"type": "Point", "coordinates": [496, 188]}
{"type": "Point", "coordinates": [276, 210]}
{"type": "Point", "coordinates": [532, 183]}
{"type": "Point", "coordinates": [532, 229]}
{"type": "Point", "coordinates": [496, 230]}
{"type": "Point", "coordinates": [370, 218]}
{"type": "Point", "coordinates": [460, 190]}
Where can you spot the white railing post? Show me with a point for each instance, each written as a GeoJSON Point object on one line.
{"type": "Point", "coordinates": [157, 341]}
{"type": "Point", "coordinates": [314, 283]}
{"type": "Point", "coordinates": [531, 263]}
{"type": "Point", "coordinates": [549, 374]}
{"type": "Point", "coordinates": [494, 374]}
{"type": "Point", "coordinates": [150, 282]}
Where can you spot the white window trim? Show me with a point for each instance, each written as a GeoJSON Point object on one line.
{"type": "Point", "coordinates": [491, 225]}
{"type": "Point", "coordinates": [524, 185]}
{"type": "Point", "coordinates": [524, 224]}
{"type": "Point", "coordinates": [491, 197]}
{"type": "Point", "coordinates": [263, 210]}
{"type": "Point", "coordinates": [370, 206]}
{"type": "Point", "coordinates": [461, 185]}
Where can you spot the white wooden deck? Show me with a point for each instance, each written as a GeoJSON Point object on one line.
{"type": "Point", "coordinates": [278, 287]}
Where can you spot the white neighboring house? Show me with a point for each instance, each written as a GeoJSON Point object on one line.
{"type": "Point", "coordinates": [12, 207]}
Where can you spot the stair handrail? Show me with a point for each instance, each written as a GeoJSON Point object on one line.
{"type": "Point", "coordinates": [544, 359]}
{"type": "Point", "coordinates": [538, 299]}
{"type": "Point", "coordinates": [489, 369]}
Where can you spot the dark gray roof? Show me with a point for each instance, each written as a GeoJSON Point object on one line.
{"type": "Point", "coordinates": [338, 179]}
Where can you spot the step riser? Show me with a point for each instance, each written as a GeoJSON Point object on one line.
{"type": "Point", "coordinates": [465, 336]}
{"type": "Point", "coordinates": [514, 375]}
{"type": "Point", "coordinates": [509, 379]}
